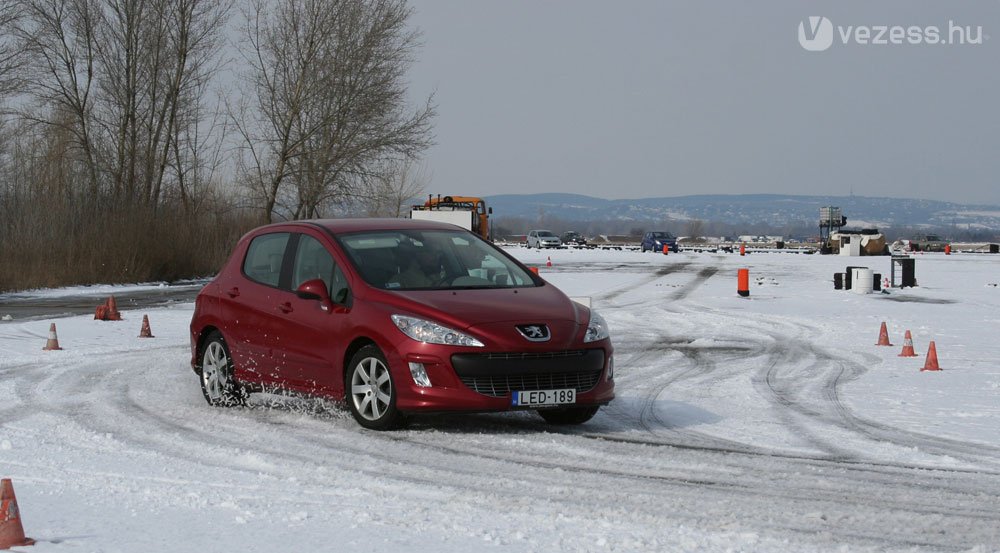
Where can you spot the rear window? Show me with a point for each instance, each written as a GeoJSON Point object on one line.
{"type": "Point", "coordinates": [264, 258]}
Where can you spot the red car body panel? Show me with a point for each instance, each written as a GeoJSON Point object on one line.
{"type": "Point", "coordinates": [278, 339]}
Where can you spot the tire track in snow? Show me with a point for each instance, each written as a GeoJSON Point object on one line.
{"type": "Point", "coordinates": [658, 273]}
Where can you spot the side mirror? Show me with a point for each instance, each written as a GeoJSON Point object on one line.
{"type": "Point", "coordinates": [315, 289]}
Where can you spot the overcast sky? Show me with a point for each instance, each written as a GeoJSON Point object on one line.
{"type": "Point", "coordinates": [638, 99]}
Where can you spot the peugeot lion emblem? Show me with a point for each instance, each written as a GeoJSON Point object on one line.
{"type": "Point", "coordinates": [534, 332]}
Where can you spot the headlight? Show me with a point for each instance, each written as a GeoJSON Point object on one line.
{"type": "Point", "coordinates": [597, 329]}
{"type": "Point", "coordinates": [432, 333]}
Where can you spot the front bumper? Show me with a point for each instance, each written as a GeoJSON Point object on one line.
{"type": "Point", "coordinates": [486, 381]}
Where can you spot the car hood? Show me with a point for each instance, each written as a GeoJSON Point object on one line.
{"type": "Point", "coordinates": [466, 308]}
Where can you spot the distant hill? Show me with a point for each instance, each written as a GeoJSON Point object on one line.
{"type": "Point", "coordinates": [773, 209]}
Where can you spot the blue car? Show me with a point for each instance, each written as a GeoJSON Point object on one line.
{"type": "Point", "coordinates": [655, 240]}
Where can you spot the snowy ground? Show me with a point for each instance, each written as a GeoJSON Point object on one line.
{"type": "Point", "coordinates": [768, 423]}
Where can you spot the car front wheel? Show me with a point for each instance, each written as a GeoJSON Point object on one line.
{"type": "Point", "coordinates": [218, 385]}
{"type": "Point", "coordinates": [569, 415]}
{"type": "Point", "coordinates": [371, 393]}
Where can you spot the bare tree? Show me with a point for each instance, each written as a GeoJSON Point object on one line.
{"type": "Point", "coordinates": [695, 229]}
{"type": "Point", "coordinates": [393, 190]}
{"type": "Point", "coordinates": [11, 56]}
{"type": "Point", "coordinates": [126, 78]}
{"type": "Point", "coordinates": [328, 105]}
{"type": "Point", "coordinates": [60, 39]}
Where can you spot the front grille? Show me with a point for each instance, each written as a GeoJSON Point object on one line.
{"type": "Point", "coordinates": [529, 355]}
{"type": "Point", "coordinates": [502, 385]}
{"type": "Point", "coordinates": [498, 374]}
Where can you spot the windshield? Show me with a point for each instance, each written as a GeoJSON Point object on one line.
{"type": "Point", "coordinates": [431, 260]}
{"type": "Point", "coordinates": [546, 234]}
{"type": "Point", "coordinates": [661, 235]}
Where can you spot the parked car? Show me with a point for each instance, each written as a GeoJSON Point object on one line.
{"type": "Point", "coordinates": [574, 238]}
{"type": "Point", "coordinates": [394, 317]}
{"type": "Point", "coordinates": [543, 239]}
{"type": "Point", "coordinates": [927, 243]}
{"type": "Point", "coordinates": [655, 240]}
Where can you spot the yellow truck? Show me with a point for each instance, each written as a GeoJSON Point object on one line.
{"type": "Point", "coordinates": [467, 212]}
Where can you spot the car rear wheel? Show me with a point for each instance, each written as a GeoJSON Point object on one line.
{"type": "Point", "coordinates": [569, 415]}
{"type": "Point", "coordinates": [371, 393]}
{"type": "Point", "coordinates": [218, 385]}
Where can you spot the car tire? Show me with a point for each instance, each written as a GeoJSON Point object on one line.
{"type": "Point", "coordinates": [218, 385]}
{"type": "Point", "coordinates": [569, 415]}
{"type": "Point", "coordinates": [370, 390]}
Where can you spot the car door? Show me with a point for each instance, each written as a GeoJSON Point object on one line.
{"type": "Point", "coordinates": [315, 334]}
{"type": "Point", "coordinates": [251, 306]}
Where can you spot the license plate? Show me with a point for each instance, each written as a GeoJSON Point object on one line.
{"type": "Point", "coordinates": [538, 398]}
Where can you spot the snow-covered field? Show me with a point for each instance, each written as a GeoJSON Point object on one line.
{"type": "Point", "coordinates": [768, 423]}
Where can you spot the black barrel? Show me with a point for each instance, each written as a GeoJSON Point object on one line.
{"type": "Point", "coordinates": [909, 269]}
{"type": "Point", "coordinates": [838, 281]}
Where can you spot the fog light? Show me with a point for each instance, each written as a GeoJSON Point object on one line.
{"type": "Point", "coordinates": [419, 374]}
{"type": "Point", "coordinates": [611, 368]}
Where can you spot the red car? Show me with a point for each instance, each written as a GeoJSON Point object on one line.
{"type": "Point", "coordinates": [396, 316]}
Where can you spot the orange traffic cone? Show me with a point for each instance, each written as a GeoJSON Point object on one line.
{"type": "Point", "coordinates": [908, 346]}
{"type": "Point", "coordinates": [666, 249]}
{"type": "Point", "coordinates": [145, 332]}
{"type": "Point", "coordinates": [931, 364]}
{"type": "Point", "coordinates": [53, 342]}
{"type": "Point", "coordinates": [11, 531]}
{"type": "Point", "coordinates": [113, 314]}
{"type": "Point", "coordinates": [534, 270]}
{"type": "Point", "coordinates": [548, 262]}
{"type": "Point", "coordinates": [883, 336]}
{"type": "Point", "coordinates": [743, 248]}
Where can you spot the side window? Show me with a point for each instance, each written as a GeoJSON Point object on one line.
{"type": "Point", "coordinates": [312, 260]}
{"type": "Point", "coordinates": [338, 288]}
{"type": "Point", "coordinates": [264, 257]}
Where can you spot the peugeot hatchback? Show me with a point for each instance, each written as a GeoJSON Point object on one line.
{"type": "Point", "coordinates": [396, 316]}
{"type": "Point", "coordinates": [655, 241]}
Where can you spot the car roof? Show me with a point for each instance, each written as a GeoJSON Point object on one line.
{"type": "Point", "coordinates": [343, 226]}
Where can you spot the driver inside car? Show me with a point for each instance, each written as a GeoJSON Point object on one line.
{"type": "Point", "coordinates": [421, 268]}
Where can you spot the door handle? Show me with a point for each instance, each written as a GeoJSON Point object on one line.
{"type": "Point", "coordinates": [286, 307]}
{"type": "Point", "coordinates": [233, 292]}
